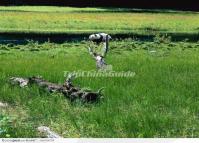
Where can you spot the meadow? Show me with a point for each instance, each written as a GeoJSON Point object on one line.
{"type": "Point", "coordinates": [161, 100]}
{"type": "Point", "coordinates": [27, 19]}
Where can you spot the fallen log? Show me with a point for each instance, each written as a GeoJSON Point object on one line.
{"type": "Point", "coordinates": [67, 89]}
{"type": "Point", "coordinates": [22, 82]}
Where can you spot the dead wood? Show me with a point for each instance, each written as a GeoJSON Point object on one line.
{"type": "Point", "coordinates": [67, 89]}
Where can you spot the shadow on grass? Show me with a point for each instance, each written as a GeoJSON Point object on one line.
{"type": "Point", "coordinates": [23, 38]}
{"type": "Point", "coordinates": [150, 29]}
{"type": "Point", "coordinates": [108, 10]}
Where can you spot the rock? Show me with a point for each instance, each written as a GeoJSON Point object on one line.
{"type": "Point", "coordinates": [48, 132]}
{"type": "Point", "coordinates": [3, 104]}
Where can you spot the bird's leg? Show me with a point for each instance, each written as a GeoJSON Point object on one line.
{"type": "Point", "coordinates": [105, 47]}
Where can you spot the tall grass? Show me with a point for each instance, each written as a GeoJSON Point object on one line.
{"type": "Point", "coordinates": [160, 101]}
{"type": "Point", "coordinates": [53, 19]}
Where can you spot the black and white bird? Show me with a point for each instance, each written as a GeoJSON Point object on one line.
{"type": "Point", "coordinates": [100, 38]}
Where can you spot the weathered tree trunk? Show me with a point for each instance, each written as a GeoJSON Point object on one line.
{"type": "Point", "coordinates": [67, 89]}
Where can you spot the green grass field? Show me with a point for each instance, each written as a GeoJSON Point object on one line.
{"type": "Point", "coordinates": [29, 19]}
{"type": "Point", "coordinates": [160, 101]}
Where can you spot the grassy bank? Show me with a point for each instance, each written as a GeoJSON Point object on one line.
{"type": "Point", "coordinates": [81, 20]}
{"type": "Point", "coordinates": [160, 101]}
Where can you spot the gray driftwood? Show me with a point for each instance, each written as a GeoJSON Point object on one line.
{"type": "Point", "coordinates": [22, 82]}
{"type": "Point", "coordinates": [67, 89]}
